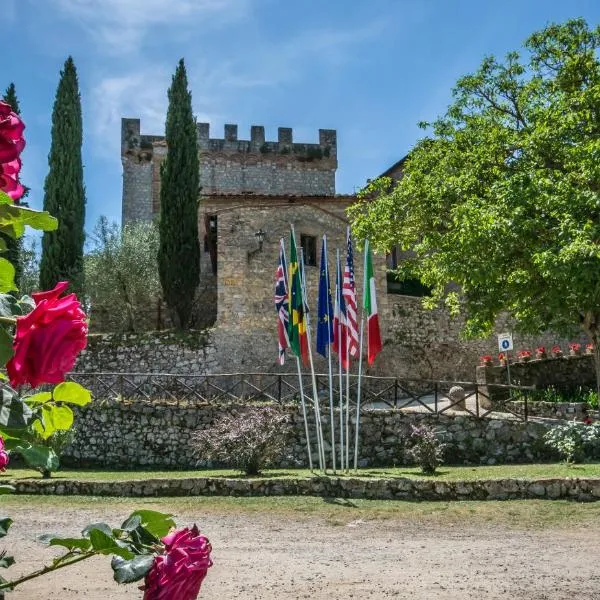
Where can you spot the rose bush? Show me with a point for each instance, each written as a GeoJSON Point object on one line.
{"type": "Point", "coordinates": [12, 127]}
{"type": "Point", "coordinates": [48, 339]}
{"type": "Point", "coordinates": [180, 571]}
{"type": "Point", "coordinates": [40, 339]}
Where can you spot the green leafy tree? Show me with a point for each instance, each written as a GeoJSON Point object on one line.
{"type": "Point", "coordinates": [14, 246]}
{"type": "Point", "coordinates": [502, 197]}
{"type": "Point", "coordinates": [179, 253]}
{"type": "Point", "coordinates": [121, 273]}
{"type": "Point", "coordinates": [30, 273]}
{"type": "Point", "coordinates": [64, 197]}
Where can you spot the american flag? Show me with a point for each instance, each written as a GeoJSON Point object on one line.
{"type": "Point", "coordinates": [282, 303]}
{"type": "Point", "coordinates": [349, 294]}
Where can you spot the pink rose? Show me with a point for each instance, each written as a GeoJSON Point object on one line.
{"type": "Point", "coordinates": [48, 339]}
{"type": "Point", "coordinates": [178, 573]}
{"type": "Point", "coordinates": [11, 134]}
{"type": "Point", "coordinates": [3, 456]}
{"type": "Point", "coordinates": [9, 179]}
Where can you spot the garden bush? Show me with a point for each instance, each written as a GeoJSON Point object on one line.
{"type": "Point", "coordinates": [574, 441]}
{"type": "Point", "coordinates": [426, 449]}
{"type": "Point", "coordinates": [250, 440]}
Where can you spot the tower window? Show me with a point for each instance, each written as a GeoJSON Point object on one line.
{"type": "Point", "coordinates": [309, 249]}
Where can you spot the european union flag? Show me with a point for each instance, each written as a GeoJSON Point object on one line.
{"type": "Point", "coordinates": [325, 323]}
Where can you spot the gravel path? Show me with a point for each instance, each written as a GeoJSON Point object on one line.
{"type": "Point", "coordinates": [270, 556]}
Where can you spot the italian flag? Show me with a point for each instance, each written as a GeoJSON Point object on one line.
{"type": "Point", "coordinates": [370, 307]}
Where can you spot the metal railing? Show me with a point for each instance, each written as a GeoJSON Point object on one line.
{"type": "Point", "coordinates": [431, 396]}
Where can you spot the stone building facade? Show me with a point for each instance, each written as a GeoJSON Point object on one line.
{"type": "Point", "coordinates": [252, 187]}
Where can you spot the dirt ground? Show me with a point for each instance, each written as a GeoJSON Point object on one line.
{"type": "Point", "coordinates": [268, 556]}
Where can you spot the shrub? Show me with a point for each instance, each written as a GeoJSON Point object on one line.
{"type": "Point", "coordinates": [427, 449]}
{"type": "Point", "coordinates": [574, 441]}
{"type": "Point", "coordinates": [249, 441]}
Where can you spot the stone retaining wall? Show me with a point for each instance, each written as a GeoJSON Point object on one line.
{"type": "Point", "coordinates": [157, 435]}
{"type": "Point", "coordinates": [582, 490]}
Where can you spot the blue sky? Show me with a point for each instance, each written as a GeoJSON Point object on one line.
{"type": "Point", "coordinates": [370, 69]}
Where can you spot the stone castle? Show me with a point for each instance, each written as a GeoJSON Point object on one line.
{"type": "Point", "coordinates": [250, 193]}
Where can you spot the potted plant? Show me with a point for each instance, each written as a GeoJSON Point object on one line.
{"type": "Point", "coordinates": [486, 361]}
{"type": "Point", "coordinates": [589, 348]}
{"type": "Point", "coordinates": [574, 349]}
{"type": "Point", "coordinates": [524, 355]}
{"type": "Point", "coordinates": [557, 351]}
{"type": "Point", "coordinates": [540, 352]}
{"type": "Point", "coordinates": [503, 359]}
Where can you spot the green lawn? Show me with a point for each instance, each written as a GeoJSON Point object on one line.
{"type": "Point", "coordinates": [513, 514]}
{"type": "Point", "coordinates": [534, 471]}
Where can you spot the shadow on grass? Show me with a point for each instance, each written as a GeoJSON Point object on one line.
{"type": "Point", "coordinates": [339, 502]}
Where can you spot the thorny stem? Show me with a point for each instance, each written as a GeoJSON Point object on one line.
{"type": "Point", "coordinates": [44, 570]}
{"type": "Point", "coordinates": [7, 320]}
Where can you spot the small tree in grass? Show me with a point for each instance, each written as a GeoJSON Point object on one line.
{"type": "Point", "coordinates": [250, 440]}
{"type": "Point", "coordinates": [426, 448]}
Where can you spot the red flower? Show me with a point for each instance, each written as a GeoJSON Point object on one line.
{"type": "Point", "coordinates": [48, 339]}
{"type": "Point", "coordinates": [11, 134]}
{"type": "Point", "coordinates": [556, 349]}
{"type": "Point", "coordinates": [3, 456]}
{"type": "Point", "coordinates": [178, 573]}
{"type": "Point", "coordinates": [524, 353]}
{"type": "Point", "coordinates": [9, 179]}
{"type": "Point", "coordinates": [574, 346]}
{"type": "Point", "coordinates": [540, 350]}
{"type": "Point", "coordinates": [501, 356]}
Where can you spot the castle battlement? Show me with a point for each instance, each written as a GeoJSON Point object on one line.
{"type": "Point", "coordinates": [229, 165]}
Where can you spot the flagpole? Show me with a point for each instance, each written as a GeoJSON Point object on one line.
{"type": "Point", "coordinates": [360, 359]}
{"type": "Point", "coordinates": [338, 292]}
{"type": "Point", "coordinates": [329, 323]}
{"type": "Point", "coordinates": [316, 407]}
{"type": "Point", "coordinates": [310, 463]}
{"type": "Point", "coordinates": [302, 401]}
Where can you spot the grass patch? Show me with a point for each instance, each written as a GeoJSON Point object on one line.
{"type": "Point", "coordinates": [512, 514]}
{"type": "Point", "coordinates": [445, 473]}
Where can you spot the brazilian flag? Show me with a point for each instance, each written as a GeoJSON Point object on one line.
{"type": "Point", "coordinates": [297, 321]}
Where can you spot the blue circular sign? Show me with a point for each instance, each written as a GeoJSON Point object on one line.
{"type": "Point", "coordinates": [505, 344]}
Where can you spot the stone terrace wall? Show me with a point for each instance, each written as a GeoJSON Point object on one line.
{"type": "Point", "coordinates": [398, 488]}
{"type": "Point", "coordinates": [567, 373]}
{"type": "Point", "coordinates": [140, 434]}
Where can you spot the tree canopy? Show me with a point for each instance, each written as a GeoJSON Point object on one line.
{"type": "Point", "coordinates": [64, 192]}
{"type": "Point", "coordinates": [121, 273]}
{"type": "Point", "coordinates": [501, 198]}
{"type": "Point", "coordinates": [179, 253]}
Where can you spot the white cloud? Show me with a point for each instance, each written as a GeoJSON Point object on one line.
{"type": "Point", "coordinates": [121, 25]}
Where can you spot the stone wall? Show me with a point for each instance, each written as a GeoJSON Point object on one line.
{"type": "Point", "coordinates": [400, 488]}
{"type": "Point", "coordinates": [110, 433]}
{"type": "Point", "coordinates": [567, 373]}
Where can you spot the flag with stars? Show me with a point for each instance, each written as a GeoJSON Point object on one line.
{"type": "Point", "coordinates": [282, 304]}
{"type": "Point", "coordinates": [325, 312]}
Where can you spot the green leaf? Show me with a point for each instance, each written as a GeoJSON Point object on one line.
{"type": "Point", "coordinates": [56, 417]}
{"type": "Point", "coordinates": [69, 543]}
{"type": "Point", "coordinates": [38, 457]}
{"type": "Point", "coordinates": [39, 398]}
{"type": "Point", "coordinates": [6, 345]}
{"type": "Point", "coordinates": [157, 523]}
{"type": "Point", "coordinates": [5, 198]}
{"type": "Point", "coordinates": [73, 393]}
{"type": "Point", "coordinates": [7, 276]}
{"type": "Point", "coordinates": [14, 219]}
{"type": "Point", "coordinates": [6, 489]}
{"type": "Point", "coordinates": [6, 561]}
{"type": "Point", "coordinates": [131, 523]}
{"type": "Point", "coordinates": [107, 544]}
{"type": "Point", "coordinates": [100, 526]}
{"type": "Point", "coordinates": [8, 305]}
{"type": "Point", "coordinates": [3, 246]}
{"type": "Point", "coordinates": [5, 523]}
{"type": "Point", "coordinates": [14, 413]}
{"type": "Point", "coordinates": [128, 571]}
{"type": "Point", "coordinates": [27, 304]}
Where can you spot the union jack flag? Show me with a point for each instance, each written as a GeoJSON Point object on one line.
{"type": "Point", "coordinates": [282, 303]}
{"type": "Point", "coordinates": [349, 294]}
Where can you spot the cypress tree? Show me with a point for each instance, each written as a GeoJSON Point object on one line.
{"type": "Point", "coordinates": [179, 252]}
{"type": "Point", "coordinates": [64, 192]}
{"type": "Point", "coordinates": [14, 246]}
